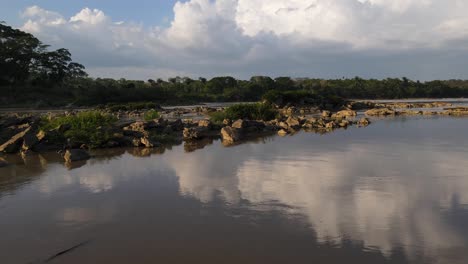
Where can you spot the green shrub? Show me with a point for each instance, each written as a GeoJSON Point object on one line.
{"type": "Point", "coordinates": [257, 111]}
{"type": "Point", "coordinates": [151, 114]}
{"type": "Point", "coordinates": [90, 127]}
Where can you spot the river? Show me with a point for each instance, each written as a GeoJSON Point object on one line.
{"type": "Point", "coordinates": [393, 192]}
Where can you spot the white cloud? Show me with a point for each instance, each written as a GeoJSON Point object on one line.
{"type": "Point", "coordinates": [89, 16]}
{"type": "Point", "coordinates": [325, 38]}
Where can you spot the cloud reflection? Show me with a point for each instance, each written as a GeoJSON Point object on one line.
{"type": "Point", "coordinates": [386, 195]}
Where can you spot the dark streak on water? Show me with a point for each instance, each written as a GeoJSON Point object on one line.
{"type": "Point", "coordinates": [395, 192]}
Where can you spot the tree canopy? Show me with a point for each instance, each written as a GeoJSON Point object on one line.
{"type": "Point", "coordinates": [32, 75]}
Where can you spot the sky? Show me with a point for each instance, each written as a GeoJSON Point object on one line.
{"type": "Point", "coordinates": [142, 39]}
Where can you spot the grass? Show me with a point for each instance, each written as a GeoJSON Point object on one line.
{"type": "Point", "coordinates": [151, 115]}
{"type": "Point", "coordinates": [88, 128]}
{"type": "Point", "coordinates": [257, 111]}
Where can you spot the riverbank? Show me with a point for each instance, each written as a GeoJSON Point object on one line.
{"type": "Point", "coordinates": [73, 133]}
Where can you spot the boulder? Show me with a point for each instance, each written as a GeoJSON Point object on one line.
{"type": "Point", "coordinates": [14, 144]}
{"type": "Point", "coordinates": [231, 134]}
{"type": "Point", "coordinates": [204, 123]}
{"type": "Point", "coordinates": [239, 124]}
{"type": "Point", "coordinates": [72, 155]}
{"type": "Point", "coordinates": [293, 122]}
{"type": "Point", "coordinates": [195, 133]}
{"type": "Point", "coordinates": [363, 122]}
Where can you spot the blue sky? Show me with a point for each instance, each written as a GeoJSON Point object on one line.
{"type": "Point", "coordinates": [151, 12]}
{"type": "Point", "coordinates": [144, 39]}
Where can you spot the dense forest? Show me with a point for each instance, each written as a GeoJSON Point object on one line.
{"type": "Point", "coordinates": [31, 75]}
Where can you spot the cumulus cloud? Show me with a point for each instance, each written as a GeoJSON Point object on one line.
{"type": "Point", "coordinates": [422, 39]}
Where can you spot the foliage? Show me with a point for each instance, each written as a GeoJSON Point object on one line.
{"type": "Point", "coordinates": [90, 127]}
{"type": "Point", "coordinates": [257, 111]}
{"type": "Point", "coordinates": [151, 115]}
{"type": "Point", "coordinates": [28, 71]}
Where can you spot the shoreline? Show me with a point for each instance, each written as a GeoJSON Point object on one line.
{"type": "Point", "coordinates": [24, 135]}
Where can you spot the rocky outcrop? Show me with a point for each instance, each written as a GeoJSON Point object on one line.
{"type": "Point", "coordinates": [457, 111]}
{"type": "Point", "coordinates": [72, 155]}
{"type": "Point", "coordinates": [414, 105]}
{"type": "Point", "coordinates": [381, 112]}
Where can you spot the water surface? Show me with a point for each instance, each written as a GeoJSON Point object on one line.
{"type": "Point", "coordinates": [394, 192]}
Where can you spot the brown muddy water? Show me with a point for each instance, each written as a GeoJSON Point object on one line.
{"type": "Point", "coordinates": [394, 192]}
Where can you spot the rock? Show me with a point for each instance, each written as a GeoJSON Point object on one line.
{"type": "Point", "coordinates": [14, 144]}
{"type": "Point", "coordinates": [346, 113]}
{"type": "Point", "coordinates": [326, 114]}
{"type": "Point", "coordinates": [293, 122]}
{"type": "Point", "coordinates": [30, 140]}
{"type": "Point", "coordinates": [239, 124]}
{"type": "Point", "coordinates": [136, 142]}
{"type": "Point", "coordinates": [283, 132]}
{"type": "Point", "coordinates": [227, 122]}
{"type": "Point", "coordinates": [283, 125]}
{"type": "Point", "coordinates": [3, 163]}
{"type": "Point", "coordinates": [72, 155]}
{"type": "Point", "coordinates": [344, 123]}
{"type": "Point", "coordinates": [142, 127]}
{"type": "Point", "coordinates": [330, 125]}
{"type": "Point", "coordinates": [204, 123]}
{"type": "Point", "coordinates": [231, 134]}
{"type": "Point", "coordinates": [380, 112]}
{"type": "Point", "coordinates": [410, 112]}
{"type": "Point", "coordinates": [195, 133]}
{"type": "Point", "coordinates": [363, 122]}
{"type": "Point", "coordinates": [457, 110]}
{"type": "Point", "coordinates": [147, 142]}
{"type": "Point", "coordinates": [41, 135]}
{"type": "Point", "coordinates": [177, 125]}
{"type": "Point", "coordinates": [356, 105]}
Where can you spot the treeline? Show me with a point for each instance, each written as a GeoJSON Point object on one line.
{"type": "Point", "coordinates": [31, 75]}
